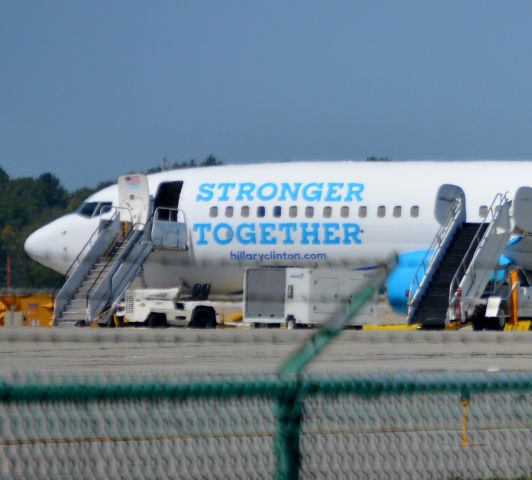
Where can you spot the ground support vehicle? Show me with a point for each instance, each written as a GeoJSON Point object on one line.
{"type": "Point", "coordinates": [170, 307]}
{"type": "Point", "coordinates": [296, 297]}
{"type": "Point", "coordinates": [507, 305]}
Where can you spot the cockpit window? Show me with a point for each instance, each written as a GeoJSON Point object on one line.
{"type": "Point", "coordinates": [103, 207]}
{"type": "Point", "coordinates": [87, 209]}
{"type": "Point", "coordinates": [92, 209]}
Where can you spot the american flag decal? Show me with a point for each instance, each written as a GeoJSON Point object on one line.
{"type": "Point", "coordinates": [132, 180]}
{"type": "Point", "coordinates": [133, 183]}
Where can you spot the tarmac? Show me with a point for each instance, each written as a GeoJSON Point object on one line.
{"type": "Point", "coordinates": [258, 350]}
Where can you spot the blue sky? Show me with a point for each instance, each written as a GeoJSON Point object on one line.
{"type": "Point", "coordinates": [91, 90]}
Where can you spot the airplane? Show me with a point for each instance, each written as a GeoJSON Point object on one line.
{"type": "Point", "coordinates": [346, 213]}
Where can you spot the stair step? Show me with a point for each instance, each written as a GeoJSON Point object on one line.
{"type": "Point", "coordinates": [433, 305]}
{"type": "Point", "coordinates": [427, 315]}
{"type": "Point", "coordinates": [76, 311]}
{"type": "Point", "coordinates": [77, 302]}
{"type": "Point", "coordinates": [65, 323]}
{"type": "Point", "coordinates": [432, 310]}
{"type": "Point", "coordinates": [70, 318]}
{"type": "Point", "coordinates": [431, 313]}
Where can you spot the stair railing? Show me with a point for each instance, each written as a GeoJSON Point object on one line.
{"type": "Point", "coordinates": [129, 239]}
{"type": "Point", "coordinates": [173, 217]}
{"type": "Point", "coordinates": [107, 222]}
{"type": "Point", "coordinates": [99, 240]}
{"type": "Point", "coordinates": [83, 251]}
{"type": "Point", "coordinates": [468, 265]}
{"type": "Point", "coordinates": [61, 299]}
{"type": "Point", "coordinates": [103, 224]}
{"type": "Point", "coordinates": [435, 253]}
{"type": "Point", "coordinates": [133, 236]}
{"type": "Point", "coordinates": [132, 233]}
{"type": "Point", "coordinates": [118, 287]}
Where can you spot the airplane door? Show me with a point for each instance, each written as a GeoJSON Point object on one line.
{"type": "Point", "coordinates": [169, 227]}
{"type": "Point", "coordinates": [522, 208]}
{"type": "Point", "coordinates": [445, 198]}
{"type": "Point", "coordinates": [168, 195]}
{"type": "Point", "coordinates": [134, 199]}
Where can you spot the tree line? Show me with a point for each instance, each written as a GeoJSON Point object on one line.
{"type": "Point", "coordinates": [28, 203]}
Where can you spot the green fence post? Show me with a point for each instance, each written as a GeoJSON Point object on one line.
{"type": "Point", "coordinates": [289, 415]}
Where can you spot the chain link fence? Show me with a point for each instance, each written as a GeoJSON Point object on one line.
{"type": "Point", "coordinates": [438, 425]}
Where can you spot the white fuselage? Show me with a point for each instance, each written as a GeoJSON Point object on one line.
{"type": "Point", "coordinates": [304, 213]}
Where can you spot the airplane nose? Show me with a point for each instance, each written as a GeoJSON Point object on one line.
{"type": "Point", "coordinates": [47, 246]}
{"type": "Point", "coordinates": [37, 245]}
{"type": "Point", "coordinates": [57, 244]}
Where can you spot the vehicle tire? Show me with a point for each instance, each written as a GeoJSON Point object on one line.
{"type": "Point", "coordinates": [478, 319]}
{"type": "Point", "coordinates": [203, 317]}
{"type": "Point", "coordinates": [156, 320]}
{"type": "Point", "coordinates": [291, 323]}
{"type": "Point", "coordinates": [478, 324]}
{"type": "Point", "coordinates": [499, 322]}
{"type": "Point", "coordinates": [211, 320]}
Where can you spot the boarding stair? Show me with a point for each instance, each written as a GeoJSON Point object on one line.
{"type": "Point", "coordinates": [480, 265]}
{"type": "Point", "coordinates": [106, 267]}
{"type": "Point", "coordinates": [458, 266]}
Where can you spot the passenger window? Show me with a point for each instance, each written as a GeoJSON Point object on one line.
{"type": "Point", "coordinates": [277, 212]}
{"type": "Point", "coordinates": [213, 212]}
{"type": "Point", "coordinates": [381, 211]}
{"type": "Point", "coordinates": [362, 212]}
{"type": "Point", "coordinates": [228, 212]}
{"type": "Point", "coordinates": [327, 212]}
{"type": "Point", "coordinates": [397, 211]}
{"type": "Point", "coordinates": [309, 212]}
{"type": "Point", "coordinates": [414, 211]}
{"type": "Point", "coordinates": [292, 212]}
{"type": "Point", "coordinates": [344, 212]}
{"type": "Point", "coordinates": [261, 212]}
{"type": "Point", "coordinates": [483, 211]}
{"type": "Point", "coordinates": [244, 211]}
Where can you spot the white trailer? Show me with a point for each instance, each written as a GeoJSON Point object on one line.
{"type": "Point", "coordinates": [167, 307]}
{"type": "Point", "coordinates": [294, 296]}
